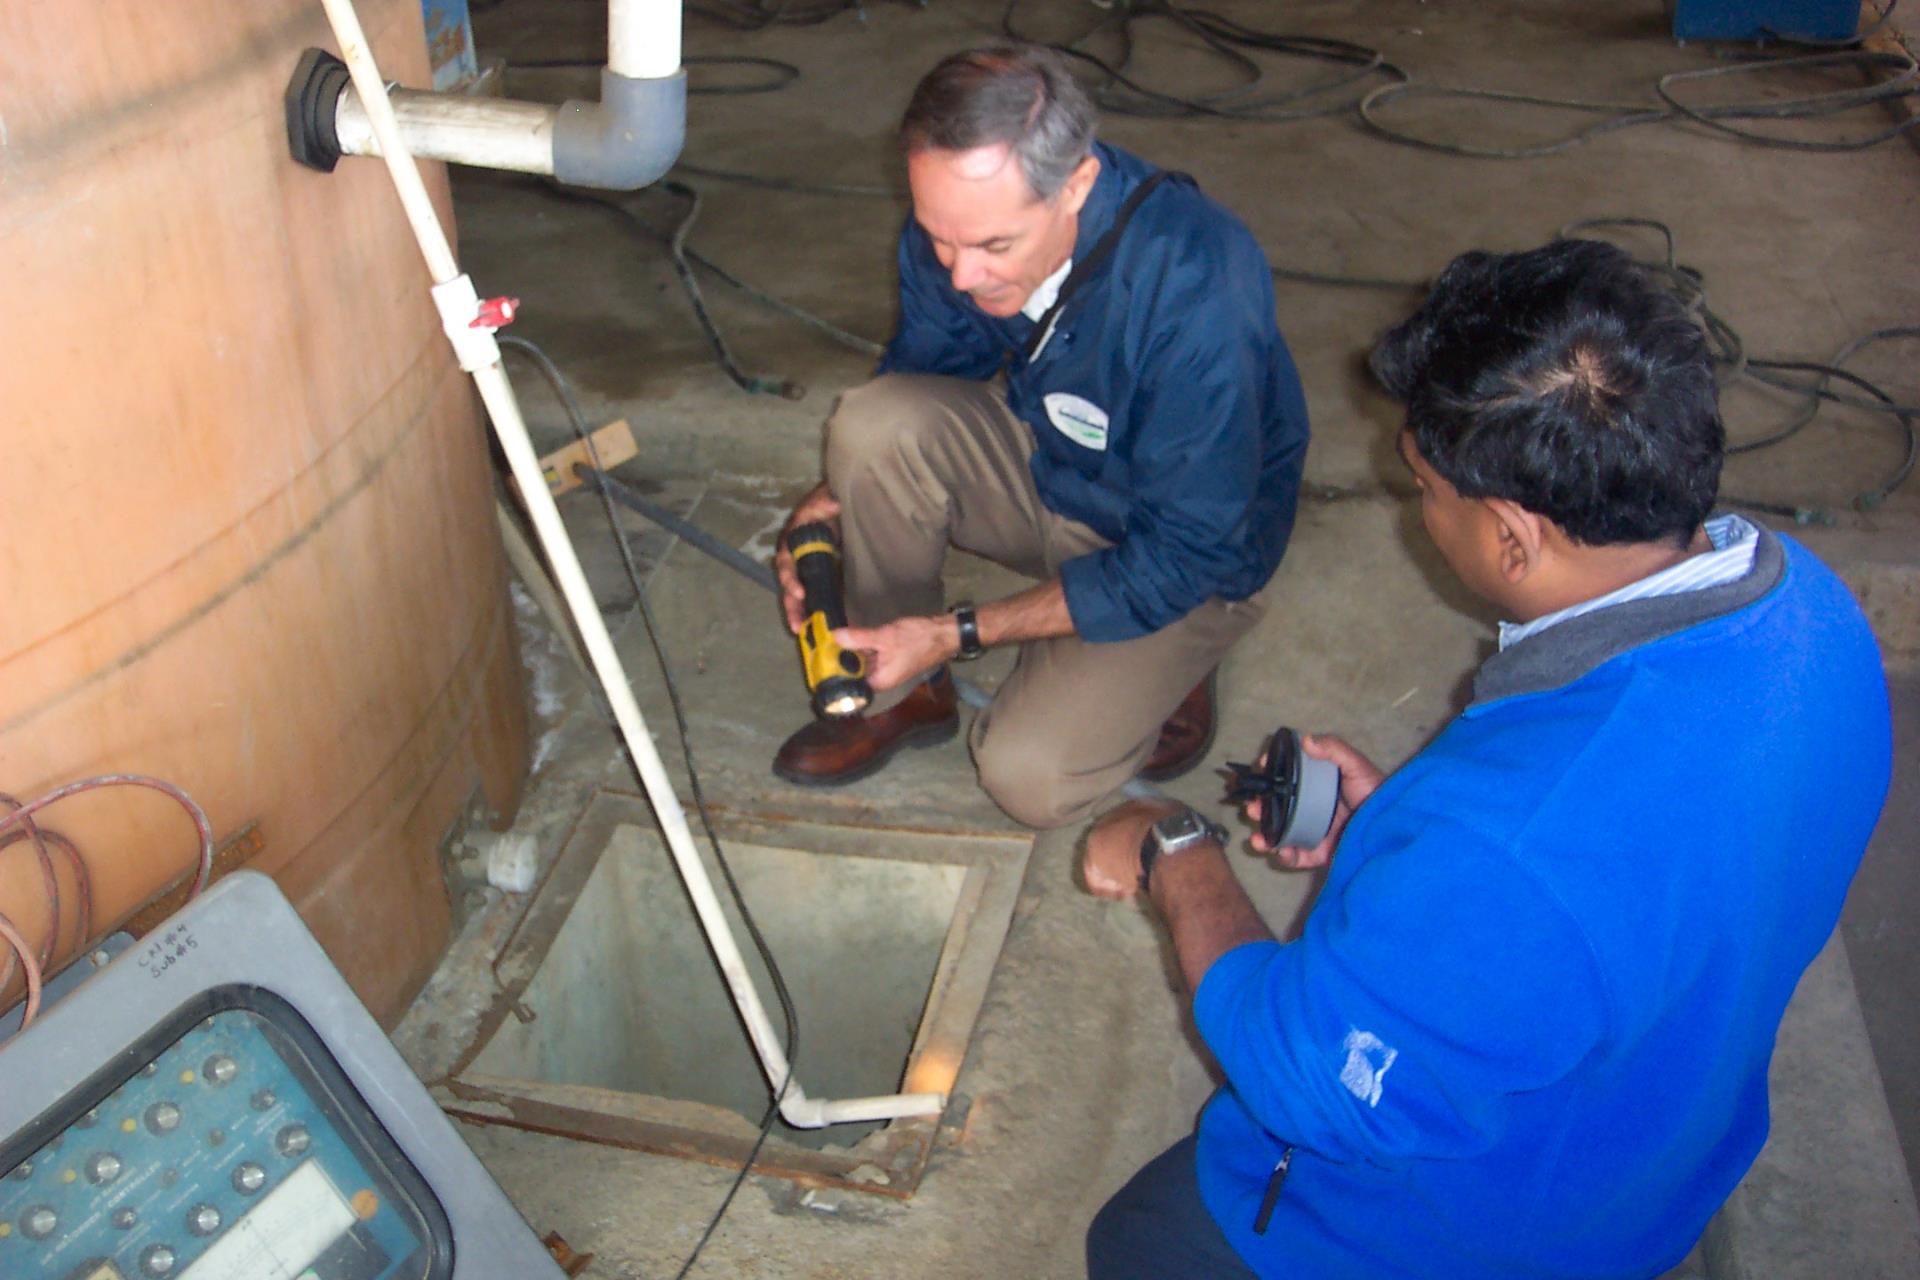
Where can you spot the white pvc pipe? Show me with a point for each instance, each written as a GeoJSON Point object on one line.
{"type": "Point", "coordinates": [643, 38]}
{"type": "Point", "coordinates": [491, 133]}
{"type": "Point", "coordinates": [817, 1113]}
{"type": "Point", "coordinates": [480, 356]}
{"type": "Point", "coordinates": [414, 199]}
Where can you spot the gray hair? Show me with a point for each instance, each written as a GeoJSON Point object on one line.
{"type": "Point", "coordinates": [1016, 95]}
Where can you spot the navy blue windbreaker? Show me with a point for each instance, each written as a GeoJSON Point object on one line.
{"type": "Point", "coordinates": [1166, 411]}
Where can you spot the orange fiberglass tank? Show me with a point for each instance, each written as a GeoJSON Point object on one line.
{"type": "Point", "coordinates": [248, 541]}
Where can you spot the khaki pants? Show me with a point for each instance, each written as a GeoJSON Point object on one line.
{"type": "Point", "coordinates": [920, 463]}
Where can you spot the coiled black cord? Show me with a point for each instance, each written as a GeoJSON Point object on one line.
{"type": "Point", "coordinates": [758, 15]}
{"type": "Point", "coordinates": [685, 258]}
{"type": "Point", "coordinates": [1902, 80]}
{"type": "Point", "coordinates": [1231, 42]}
{"type": "Point", "coordinates": [1733, 363]}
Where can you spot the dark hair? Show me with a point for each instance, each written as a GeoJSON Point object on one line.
{"type": "Point", "coordinates": [1016, 95]}
{"type": "Point", "coordinates": [1568, 380]}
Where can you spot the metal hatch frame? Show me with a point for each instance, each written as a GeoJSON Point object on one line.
{"type": "Point", "coordinates": [889, 1161]}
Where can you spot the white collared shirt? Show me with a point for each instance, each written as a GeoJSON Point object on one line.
{"type": "Point", "coordinates": [1036, 305]}
{"type": "Point", "coordinates": [1734, 540]}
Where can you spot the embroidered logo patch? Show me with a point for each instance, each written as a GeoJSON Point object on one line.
{"type": "Point", "coordinates": [1368, 1057]}
{"type": "Point", "coordinates": [1079, 420]}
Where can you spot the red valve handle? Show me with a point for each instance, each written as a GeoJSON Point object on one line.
{"type": "Point", "coordinates": [495, 313]}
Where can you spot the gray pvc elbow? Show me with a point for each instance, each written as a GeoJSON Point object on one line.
{"type": "Point", "coordinates": [628, 139]}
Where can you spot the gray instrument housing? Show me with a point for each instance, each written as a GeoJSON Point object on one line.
{"type": "Point", "coordinates": [249, 935]}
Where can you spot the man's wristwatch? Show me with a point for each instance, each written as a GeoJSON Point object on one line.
{"type": "Point", "coordinates": [970, 646]}
{"type": "Point", "coordinates": [1174, 833]}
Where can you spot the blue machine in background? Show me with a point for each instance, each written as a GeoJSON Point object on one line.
{"type": "Point", "coordinates": [1765, 19]}
{"type": "Point", "coordinates": [449, 43]}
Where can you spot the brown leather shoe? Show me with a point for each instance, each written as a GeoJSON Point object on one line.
{"type": "Point", "coordinates": [1185, 736]}
{"type": "Point", "coordinates": [827, 753]}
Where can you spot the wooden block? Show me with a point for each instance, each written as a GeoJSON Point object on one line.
{"type": "Point", "coordinates": [563, 1253]}
{"type": "Point", "coordinates": [1886, 37]}
{"type": "Point", "coordinates": [1890, 39]}
{"type": "Point", "coordinates": [613, 443]}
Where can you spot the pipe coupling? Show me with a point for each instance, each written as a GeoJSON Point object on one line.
{"type": "Point", "coordinates": [628, 139]}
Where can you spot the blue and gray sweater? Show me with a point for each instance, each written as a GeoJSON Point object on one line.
{"type": "Point", "coordinates": [1165, 408]}
{"type": "Point", "coordinates": [1526, 1029]}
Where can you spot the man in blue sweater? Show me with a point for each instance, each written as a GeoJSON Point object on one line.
{"type": "Point", "coordinates": [1087, 385]}
{"type": "Point", "coordinates": [1526, 1029]}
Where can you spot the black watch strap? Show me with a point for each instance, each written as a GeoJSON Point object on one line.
{"type": "Point", "coordinates": [1149, 850]}
{"type": "Point", "coordinates": [969, 624]}
{"type": "Point", "coordinates": [1197, 828]}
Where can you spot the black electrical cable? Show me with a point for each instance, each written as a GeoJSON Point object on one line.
{"type": "Point", "coordinates": [1687, 283]}
{"type": "Point", "coordinates": [1846, 353]}
{"type": "Point", "coordinates": [677, 253]}
{"type": "Point", "coordinates": [1880, 405]}
{"type": "Point", "coordinates": [1231, 42]}
{"type": "Point", "coordinates": [1902, 414]}
{"type": "Point", "coordinates": [852, 341]}
{"type": "Point", "coordinates": [778, 980]}
{"type": "Point", "coordinates": [1735, 363]}
{"type": "Point", "coordinates": [1234, 44]}
{"type": "Point", "coordinates": [687, 531]}
{"type": "Point", "coordinates": [1903, 82]}
{"type": "Point", "coordinates": [799, 186]}
{"type": "Point", "coordinates": [1617, 116]}
{"type": "Point", "coordinates": [761, 14]}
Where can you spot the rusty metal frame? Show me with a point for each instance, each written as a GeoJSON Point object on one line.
{"type": "Point", "coordinates": [889, 1161]}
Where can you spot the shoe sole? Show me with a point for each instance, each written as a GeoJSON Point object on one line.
{"type": "Point", "coordinates": [1180, 768]}
{"type": "Point", "coordinates": [931, 735]}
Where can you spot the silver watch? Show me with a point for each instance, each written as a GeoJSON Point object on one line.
{"type": "Point", "coordinates": [1175, 833]}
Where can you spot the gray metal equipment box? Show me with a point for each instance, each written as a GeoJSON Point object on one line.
{"type": "Point", "coordinates": [216, 1104]}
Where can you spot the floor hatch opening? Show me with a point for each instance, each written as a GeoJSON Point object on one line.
{"type": "Point", "coordinates": [613, 1023]}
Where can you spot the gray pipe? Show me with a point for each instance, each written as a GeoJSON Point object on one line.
{"type": "Point", "coordinates": [686, 530]}
{"type": "Point", "coordinates": [625, 141]}
{"type": "Point", "coordinates": [628, 139]}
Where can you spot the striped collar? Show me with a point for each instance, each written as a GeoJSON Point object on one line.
{"type": "Point", "coordinates": [1734, 540]}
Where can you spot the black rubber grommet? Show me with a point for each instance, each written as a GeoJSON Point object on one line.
{"type": "Point", "coordinates": [313, 95]}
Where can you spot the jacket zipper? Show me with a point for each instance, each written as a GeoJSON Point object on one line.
{"type": "Point", "coordinates": [1272, 1197]}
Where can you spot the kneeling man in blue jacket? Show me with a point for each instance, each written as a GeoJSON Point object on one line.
{"type": "Point", "coordinates": [1526, 1028]}
{"type": "Point", "coordinates": [1087, 385]}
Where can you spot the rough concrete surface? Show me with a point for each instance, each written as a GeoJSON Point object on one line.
{"type": "Point", "coordinates": [1082, 1066]}
{"type": "Point", "coordinates": [1830, 1133]}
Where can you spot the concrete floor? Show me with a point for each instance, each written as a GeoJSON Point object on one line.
{"type": "Point", "coordinates": [1082, 1067]}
